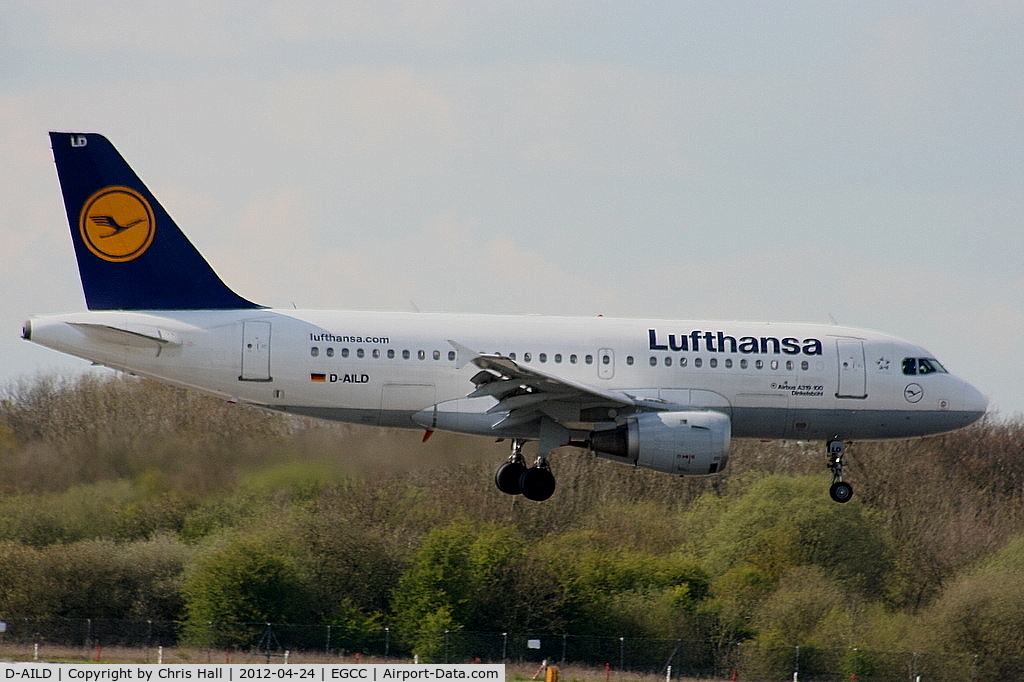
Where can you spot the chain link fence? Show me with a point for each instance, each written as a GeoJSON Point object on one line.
{"type": "Point", "coordinates": [664, 657]}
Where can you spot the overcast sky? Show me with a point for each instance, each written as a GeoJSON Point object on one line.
{"type": "Point", "coordinates": [809, 161]}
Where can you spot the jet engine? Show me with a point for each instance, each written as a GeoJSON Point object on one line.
{"type": "Point", "coordinates": [684, 443]}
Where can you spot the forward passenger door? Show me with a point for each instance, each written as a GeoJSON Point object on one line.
{"type": "Point", "coordinates": [853, 378]}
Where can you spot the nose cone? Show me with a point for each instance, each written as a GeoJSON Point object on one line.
{"type": "Point", "coordinates": [974, 405]}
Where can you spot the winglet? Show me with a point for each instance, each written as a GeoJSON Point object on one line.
{"type": "Point", "coordinates": [463, 354]}
{"type": "Point", "coordinates": [131, 254]}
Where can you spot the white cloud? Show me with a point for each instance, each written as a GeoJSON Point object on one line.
{"type": "Point", "coordinates": [668, 161]}
{"type": "Point", "coordinates": [418, 21]}
{"type": "Point", "coordinates": [184, 28]}
{"type": "Point", "coordinates": [383, 111]}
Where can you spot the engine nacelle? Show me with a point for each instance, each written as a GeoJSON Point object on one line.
{"type": "Point", "coordinates": [684, 443]}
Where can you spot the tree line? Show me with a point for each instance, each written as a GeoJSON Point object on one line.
{"type": "Point", "coordinates": [124, 499]}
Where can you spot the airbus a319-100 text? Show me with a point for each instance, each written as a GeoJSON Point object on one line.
{"type": "Point", "coordinates": [665, 395]}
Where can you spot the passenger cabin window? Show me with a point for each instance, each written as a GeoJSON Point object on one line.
{"type": "Point", "coordinates": [913, 366]}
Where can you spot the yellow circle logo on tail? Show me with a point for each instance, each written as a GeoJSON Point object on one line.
{"type": "Point", "coordinates": [117, 224]}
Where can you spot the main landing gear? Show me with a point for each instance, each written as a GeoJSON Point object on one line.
{"type": "Point", "coordinates": [840, 490]}
{"type": "Point", "coordinates": [513, 477]}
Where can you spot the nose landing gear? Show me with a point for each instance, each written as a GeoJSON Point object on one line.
{"type": "Point", "coordinates": [840, 490]}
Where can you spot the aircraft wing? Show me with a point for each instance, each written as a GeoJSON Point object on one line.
{"type": "Point", "coordinates": [527, 393]}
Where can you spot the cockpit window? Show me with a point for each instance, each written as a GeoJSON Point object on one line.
{"type": "Point", "coordinates": [915, 366]}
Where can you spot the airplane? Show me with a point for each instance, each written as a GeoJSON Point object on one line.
{"type": "Point", "coordinates": [667, 395]}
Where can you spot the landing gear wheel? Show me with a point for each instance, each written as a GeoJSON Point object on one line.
{"type": "Point", "coordinates": [508, 474]}
{"type": "Point", "coordinates": [841, 491]}
{"type": "Point", "coordinates": [537, 483]}
{"type": "Point", "coordinates": [507, 477]}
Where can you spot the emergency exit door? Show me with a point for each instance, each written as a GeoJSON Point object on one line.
{"type": "Point", "coordinates": [606, 363]}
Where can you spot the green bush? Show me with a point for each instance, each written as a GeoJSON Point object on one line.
{"type": "Point", "coordinates": [233, 592]}
{"type": "Point", "coordinates": [981, 614]}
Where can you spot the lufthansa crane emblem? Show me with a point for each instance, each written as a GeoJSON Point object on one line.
{"type": "Point", "coordinates": [117, 224]}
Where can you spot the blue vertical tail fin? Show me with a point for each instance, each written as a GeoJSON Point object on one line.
{"type": "Point", "coordinates": [131, 254]}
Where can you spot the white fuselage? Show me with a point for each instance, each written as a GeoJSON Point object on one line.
{"type": "Point", "coordinates": [406, 370]}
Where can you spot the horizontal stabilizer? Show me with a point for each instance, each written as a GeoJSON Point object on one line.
{"type": "Point", "coordinates": [135, 337]}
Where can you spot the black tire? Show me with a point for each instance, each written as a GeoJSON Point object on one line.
{"type": "Point", "coordinates": [537, 484]}
{"type": "Point", "coordinates": [841, 491]}
{"type": "Point", "coordinates": [507, 477]}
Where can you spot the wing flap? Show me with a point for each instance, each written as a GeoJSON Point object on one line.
{"type": "Point", "coordinates": [527, 394]}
